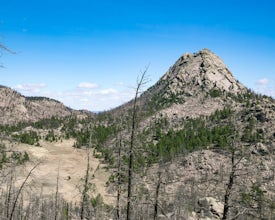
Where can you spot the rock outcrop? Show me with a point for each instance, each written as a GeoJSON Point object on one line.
{"type": "Point", "coordinates": [210, 208]}
{"type": "Point", "coordinates": [260, 149]}
{"type": "Point", "coordinates": [202, 71]}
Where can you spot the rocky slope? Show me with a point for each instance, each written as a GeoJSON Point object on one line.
{"type": "Point", "coordinates": [15, 107]}
{"type": "Point", "coordinates": [195, 87]}
{"type": "Point", "coordinates": [198, 85]}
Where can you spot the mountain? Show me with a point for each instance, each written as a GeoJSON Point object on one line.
{"type": "Point", "coordinates": [201, 143]}
{"type": "Point", "coordinates": [15, 108]}
{"type": "Point", "coordinates": [196, 74]}
{"type": "Point", "coordinates": [196, 127]}
{"type": "Point", "coordinates": [197, 84]}
{"type": "Point", "coordinates": [200, 85]}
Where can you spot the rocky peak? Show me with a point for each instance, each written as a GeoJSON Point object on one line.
{"type": "Point", "coordinates": [202, 71]}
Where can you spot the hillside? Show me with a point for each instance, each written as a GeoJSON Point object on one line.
{"type": "Point", "coordinates": [196, 85]}
{"type": "Point", "coordinates": [15, 108]}
{"type": "Point", "coordinates": [193, 81]}
{"type": "Point", "coordinates": [201, 143]}
{"type": "Point", "coordinates": [189, 124]}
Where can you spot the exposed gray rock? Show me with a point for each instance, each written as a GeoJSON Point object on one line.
{"type": "Point", "coordinates": [202, 70]}
{"type": "Point", "coordinates": [210, 208]}
{"type": "Point", "coordinates": [260, 149]}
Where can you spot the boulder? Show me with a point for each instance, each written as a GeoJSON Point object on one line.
{"type": "Point", "coordinates": [260, 149]}
{"type": "Point", "coordinates": [210, 208]}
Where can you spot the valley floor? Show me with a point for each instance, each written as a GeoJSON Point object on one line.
{"type": "Point", "coordinates": [72, 163]}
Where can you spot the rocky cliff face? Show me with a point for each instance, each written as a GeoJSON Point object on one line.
{"type": "Point", "coordinates": [15, 108]}
{"type": "Point", "coordinates": [200, 72]}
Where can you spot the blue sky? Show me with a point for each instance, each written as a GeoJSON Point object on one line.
{"type": "Point", "coordinates": [88, 54]}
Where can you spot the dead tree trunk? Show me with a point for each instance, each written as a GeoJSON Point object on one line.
{"type": "Point", "coordinates": [140, 83]}
{"type": "Point", "coordinates": [235, 160]}
{"type": "Point", "coordinates": [156, 205]}
{"type": "Point", "coordinates": [229, 186]}
{"type": "Point", "coordinates": [19, 191]}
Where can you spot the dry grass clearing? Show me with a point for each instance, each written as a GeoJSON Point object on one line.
{"type": "Point", "coordinates": [72, 165]}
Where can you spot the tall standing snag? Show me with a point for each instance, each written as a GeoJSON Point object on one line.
{"type": "Point", "coordinates": [20, 190]}
{"type": "Point", "coordinates": [140, 83]}
{"type": "Point", "coordinates": [232, 177]}
{"type": "Point", "coordinates": [156, 205]}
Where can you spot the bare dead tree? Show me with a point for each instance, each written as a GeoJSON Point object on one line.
{"type": "Point", "coordinates": [229, 186]}
{"type": "Point", "coordinates": [140, 83]}
{"type": "Point", "coordinates": [156, 205]}
{"type": "Point", "coordinates": [20, 190]}
{"type": "Point", "coordinates": [235, 161]}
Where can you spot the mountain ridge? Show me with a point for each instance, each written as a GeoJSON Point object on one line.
{"type": "Point", "coordinates": [196, 78]}
{"type": "Point", "coordinates": [193, 76]}
{"type": "Point", "coordinates": [15, 108]}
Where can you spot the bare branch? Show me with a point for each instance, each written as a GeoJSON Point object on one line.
{"type": "Point", "coordinates": [20, 189]}
{"type": "Point", "coordinates": [2, 47]}
{"type": "Point", "coordinates": [140, 83]}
